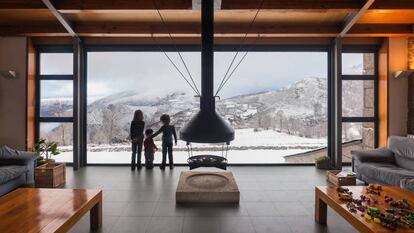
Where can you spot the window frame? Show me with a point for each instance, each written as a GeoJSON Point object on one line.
{"type": "Point", "coordinates": [142, 48]}
{"type": "Point", "coordinates": [55, 77]}
{"type": "Point", "coordinates": [361, 77]}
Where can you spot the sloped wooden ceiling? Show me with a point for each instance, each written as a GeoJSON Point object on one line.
{"type": "Point", "coordinates": [138, 18]}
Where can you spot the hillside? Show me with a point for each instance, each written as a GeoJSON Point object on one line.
{"type": "Point", "coordinates": [298, 109]}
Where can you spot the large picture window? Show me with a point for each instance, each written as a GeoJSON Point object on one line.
{"type": "Point", "coordinates": [55, 98]}
{"type": "Point", "coordinates": [276, 102]}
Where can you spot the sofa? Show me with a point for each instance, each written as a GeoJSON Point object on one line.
{"type": "Point", "coordinates": [16, 168]}
{"type": "Point", "coordinates": [390, 165]}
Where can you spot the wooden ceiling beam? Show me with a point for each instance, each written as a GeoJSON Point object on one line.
{"type": "Point", "coordinates": [329, 5]}
{"type": "Point", "coordinates": [221, 30]}
{"type": "Point", "coordinates": [349, 23]}
{"type": "Point", "coordinates": [62, 20]}
{"type": "Point", "coordinates": [71, 6]}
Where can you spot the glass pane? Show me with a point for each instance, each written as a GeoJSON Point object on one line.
{"type": "Point", "coordinates": [358, 63]}
{"type": "Point", "coordinates": [56, 63]}
{"type": "Point", "coordinates": [279, 112]}
{"type": "Point", "coordinates": [56, 98]}
{"type": "Point", "coordinates": [357, 136]}
{"type": "Point", "coordinates": [358, 98]}
{"type": "Point", "coordinates": [62, 134]}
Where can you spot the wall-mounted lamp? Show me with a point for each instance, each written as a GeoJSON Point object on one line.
{"type": "Point", "coordinates": [9, 74]}
{"type": "Point", "coordinates": [404, 74]}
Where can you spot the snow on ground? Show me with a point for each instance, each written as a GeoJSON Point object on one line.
{"type": "Point", "coordinates": [121, 154]}
{"type": "Point", "coordinates": [234, 157]}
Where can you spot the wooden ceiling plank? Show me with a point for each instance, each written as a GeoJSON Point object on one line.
{"type": "Point", "coordinates": [350, 23]}
{"type": "Point", "coordinates": [295, 5]}
{"type": "Point", "coordinates": [221, 30]}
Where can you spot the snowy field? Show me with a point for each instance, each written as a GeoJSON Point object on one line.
{"type": "Point", "coordinates": [246, 149]}
{"type": "Point", "coordinates": [234, 157]}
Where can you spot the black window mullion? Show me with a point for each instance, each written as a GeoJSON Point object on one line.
{"type": "Point", "coordinates": [56, 119]}
{"type": "Point", "coordinates": [358, 77]}
{"type": "Point", "coordinates": [358, 119]}
{"type": "Point", "coordinates": [56, 77]}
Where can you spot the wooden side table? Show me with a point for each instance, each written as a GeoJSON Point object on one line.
{"type": "Point", "coordinates": [50, 175]}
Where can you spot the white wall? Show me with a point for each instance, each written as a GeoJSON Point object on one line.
{"type": "Point", "coordinates": [13, 56]}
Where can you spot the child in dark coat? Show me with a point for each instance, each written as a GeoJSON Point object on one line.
{"type": "Point", "coordinates": [168, 132]}
{"type": "Point", "coordinates": [149, 149]}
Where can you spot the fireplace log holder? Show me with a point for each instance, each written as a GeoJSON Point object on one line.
{"type": "Point", "coordinates": [197, 161]}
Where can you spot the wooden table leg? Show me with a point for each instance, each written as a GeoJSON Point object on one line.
{"type": "Point", "coordinates": [321, 210]}
{"type": "Point", "coordinates": [96, 216]}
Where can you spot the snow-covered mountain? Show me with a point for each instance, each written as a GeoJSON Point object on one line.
{"type": "Point", "coordinates": [298, 109]}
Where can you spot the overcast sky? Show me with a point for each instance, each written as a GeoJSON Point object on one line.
{"type": "Point", "coordinates": [151, 72]}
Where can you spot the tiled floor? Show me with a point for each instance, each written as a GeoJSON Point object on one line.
{"type": "Point", "coordinates": [273, 199]}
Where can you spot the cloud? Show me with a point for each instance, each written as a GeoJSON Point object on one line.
{"type": "Point", "coordinates": [151, 72]}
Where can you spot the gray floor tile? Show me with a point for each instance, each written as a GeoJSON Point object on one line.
{"type": "Point", "coordinates": [270, 225]}
{"type": "Point", "coordinates": [131, 225]}
{"type": "Point", "coordinates": [169, 209]}
{"type": "Point", "coordinates": [286, 209]}
{"type": "Point", "coordinates": [236, 225]}
{"type": "Point", "coordinates": [83, 226]}
{"type": "Point", "coordinates": [201, 225]}
{"type": "Point", "coordinates": [166, 225]}
{"type": "Point", "coordinates": [139, 209]}
{"type": "Point", "coordinates": [260, 209]}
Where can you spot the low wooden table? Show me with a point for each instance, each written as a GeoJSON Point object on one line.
{"type": "Point", "coordinates": [329, 196]}
{"type": "Point", "coordinates": [48, 210]}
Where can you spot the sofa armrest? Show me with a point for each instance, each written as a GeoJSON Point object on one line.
{"type": "Point", "coordinates": [20, 158]}
{"type": "Point", "coordinates": [380, 155]}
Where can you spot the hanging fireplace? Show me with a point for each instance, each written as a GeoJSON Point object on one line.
{"type": "Point", "coordinates": [207, 126]}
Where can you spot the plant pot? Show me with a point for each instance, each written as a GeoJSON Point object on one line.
{"type": "Point", "coordinates": [50, 175]}
{"type": "Point", "coordinates": [324, 165]}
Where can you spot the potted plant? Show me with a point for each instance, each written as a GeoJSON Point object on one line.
{"type": "Point", "coordinates": [323, 162]}
{"type": "Point", "coordinates": [46, 150]}
{"type": "Point", "coordinates": [48, 174]}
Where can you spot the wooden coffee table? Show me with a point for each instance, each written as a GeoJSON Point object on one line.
{"type": "Point", "coordinates": [329, 196]}
{"type": "Point", "coordinates": [48, 210]}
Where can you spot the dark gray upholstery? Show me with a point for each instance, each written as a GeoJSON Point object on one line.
{"type": "Point", "coordinates": [11, 172]}
{"type": "Point", "coordinates": [403, 149]}
{"type": "Point", "coordinates": [380, 155]}
{"type": "Point", "coordinates": [389, 173]}
{"type": "Point", "coordinates": [393, 165]}
{"type": "Point", "coordinates": [408, 184]}
{"type": "Point", "coordinates": [16, 168]}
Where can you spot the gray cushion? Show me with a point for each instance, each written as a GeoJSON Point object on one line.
{"type": "Point", "coordinates": [8, 173]}
{"type": "Point", "coordinates": [403, 149]}
{"type": "Point", "coordinates": [389, 173]}
{"type": "Point", "coordinates": [380, 155]}
{"type": "Point", "coordinates": [407, 184]}
{"type": "Point", "coordinates": [10, 156]}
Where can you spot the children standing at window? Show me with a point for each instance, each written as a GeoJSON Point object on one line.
{"type": "Point", "coordinates": [168, 132]}
{"type": "Point", "coordinates": [149, 149]}
{"type": "Point", "coordinates": [137, 135]}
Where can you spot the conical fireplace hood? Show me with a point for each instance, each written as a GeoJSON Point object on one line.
{"type": "Point", "coordinates": [207, 126]}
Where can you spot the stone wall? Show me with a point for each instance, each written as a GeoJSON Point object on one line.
{"type": "Point", "coordinates": [368, 132]}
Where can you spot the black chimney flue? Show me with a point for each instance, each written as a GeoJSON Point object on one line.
{"type": "Point", "coordinates": [207, 126]}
